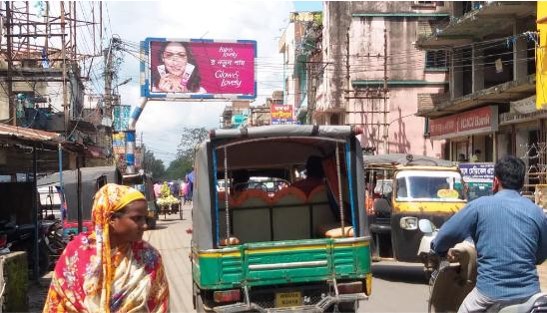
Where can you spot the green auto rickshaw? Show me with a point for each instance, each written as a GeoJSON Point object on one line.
{"type": "Point", "coordinates": [280, 249]}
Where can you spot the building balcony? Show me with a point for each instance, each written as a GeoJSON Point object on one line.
{"type": "Point", "coordinates": [487, 21]}
{"type": "Point", "coordinates": [427, 101]}
{"type": "Point", "coordinates": [499, 94]}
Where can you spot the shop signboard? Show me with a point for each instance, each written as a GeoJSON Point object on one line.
{"type": "Point", "coordinates": [479, 178]}
{"type": "Point", "coordinates": [481, 120]}
{"type": "Point", "coordinates": [190, 69]}
{"type": "Point", "coordinates": [282, 114]}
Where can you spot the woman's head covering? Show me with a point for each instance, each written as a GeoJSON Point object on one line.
{"type": "Point", "coordinates": [109, 199]}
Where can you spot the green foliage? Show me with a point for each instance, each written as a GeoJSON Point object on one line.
{"type": "Point", "coordinates": [152, 165]}
{"type": "Point", "coordinates": [189, 142]}
{"type": "Point", "coordinates": [178, 168]}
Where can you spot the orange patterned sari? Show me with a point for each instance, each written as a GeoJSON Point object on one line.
{"type": "Point", "coordinates": [92, 277]}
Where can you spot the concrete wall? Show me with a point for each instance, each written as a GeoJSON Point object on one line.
{"type": "Point", "coordinates": [15, 278]}
{"type": "Point", "coordinates": [405, 131]}
{"type": "Point", "coordinates": [336, 20]}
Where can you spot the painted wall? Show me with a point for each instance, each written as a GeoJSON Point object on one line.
{"type": "Point", "coordinates": [405, 63]}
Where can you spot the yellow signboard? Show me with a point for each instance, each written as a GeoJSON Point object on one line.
{"type": "Point", "coordinates": [541, 61]}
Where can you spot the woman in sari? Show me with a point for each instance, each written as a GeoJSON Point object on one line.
{"type": "Point", "coordinates": [111, 269]}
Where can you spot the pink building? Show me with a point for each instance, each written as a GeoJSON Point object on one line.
{"type": "Point", "coordinates": [373, 76]}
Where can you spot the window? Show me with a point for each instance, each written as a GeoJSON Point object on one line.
{"type": "Point", "coordinates": [425, 3]}
{"type": "Point", "coordinates": [436, 59]}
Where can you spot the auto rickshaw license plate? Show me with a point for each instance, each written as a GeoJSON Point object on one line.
{"type": "Point", "coordinates": [151, 213]}
{"type": "Point", "coordinates": [288, 299]}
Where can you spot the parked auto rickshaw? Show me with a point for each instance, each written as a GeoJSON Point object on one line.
{"type": "Point", "coordinates": [79, 188]}
{"type": "Point", "coordinates": [402, 189]}
{"type": "Point", "coordinates": [144, 184]}
{"type": "Point", "coordinates": [258, 250]}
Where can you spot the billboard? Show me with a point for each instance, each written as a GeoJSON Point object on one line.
{"type": "Point", "coordinates": [121, 117]}
{"type": "Point", "coordinates": [198, 69]}
{"type": "Point", "coordinates": [281, 114]}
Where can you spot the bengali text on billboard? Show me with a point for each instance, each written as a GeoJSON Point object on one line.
{"type": "Point", "coordinates": [199, 68]}
{"type": "Point", "coordinates": [281, 114]}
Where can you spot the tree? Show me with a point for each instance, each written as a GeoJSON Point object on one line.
{"type": "Point", "coordinates": [152, 165]}
{"type": "Point", "coordinates": [189, 143]}
{"type": "Point", "coordinates": [190, 140]}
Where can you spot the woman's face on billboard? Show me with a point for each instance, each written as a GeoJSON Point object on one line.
{"type": "Point", "coordinates": [175, 58]}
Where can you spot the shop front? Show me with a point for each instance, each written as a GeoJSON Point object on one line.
{"type": "Point", "coordinates": [469, 136]}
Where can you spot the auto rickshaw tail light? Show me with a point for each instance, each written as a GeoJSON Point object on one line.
{"type": "Point", "coordinates": [353, 287]}
{"type": "Point", "coordinates": [368, 284]}
{"type": "Point", "coordinates": [227, 295]}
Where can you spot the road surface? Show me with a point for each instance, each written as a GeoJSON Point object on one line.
{"type": "Point", "coordinates": [396, 287]}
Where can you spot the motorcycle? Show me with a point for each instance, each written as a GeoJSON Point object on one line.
{"type": "Point", "coordinates": [15, 237]}
{"type": "Point", "coordinates": [53, 238]}
{"type": "Point", "coordinates": [450, 282]}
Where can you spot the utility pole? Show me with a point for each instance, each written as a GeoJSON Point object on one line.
{"type": "Point", "coordinates": [386, 126]}
{"type": "Point", "coordinates": [108, 72]}
{"type": "Point", "coordinates": [63, 56]}
{"type": "Point", "coordinates": [11, 102]}
{"type": "Point", "coordinates": [348, 82]}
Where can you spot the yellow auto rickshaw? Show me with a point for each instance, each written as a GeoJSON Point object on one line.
{"type": "Point", "coordinates": [402, 189]}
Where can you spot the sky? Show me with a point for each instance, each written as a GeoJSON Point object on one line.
{"type": "Point", "coordinates": [264, 21]}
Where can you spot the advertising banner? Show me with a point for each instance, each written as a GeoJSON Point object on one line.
{"type": "Point", "coordinates": [199, 69]}
{"type": "Point", "coordinates": [281, 114]}
{"type": "Point", "coordinates": [118, 143]}
{"type": "Point", "coordinates": [121, 117]}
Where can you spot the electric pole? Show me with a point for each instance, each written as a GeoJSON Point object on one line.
{"type": "Point", "coordinates": [108, 77]}
{"type": "Point", "coordinates": [63, 56]}
{"type": "Point", "coordinates": [386, 130]}
{"type": "Point", "coordinates": [11, 102]}
{"type": "Point", "coordinates": [348, 82]}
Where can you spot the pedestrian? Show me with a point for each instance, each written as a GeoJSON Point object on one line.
{"type": "Point", "coordinates": [174, 186]}
{"type": "Point", "coordinates": [184, 191]}
{"type": "Point", "coordinates": [190, 179]}
{"type": "Point", "coordinates": [111, 269]}
{"type": "Point", "coordinates": [476, 156]}
{"type": "Point", "coordinates": [157, 189]}
{"type": "Point", "coordinates": [510, 235]}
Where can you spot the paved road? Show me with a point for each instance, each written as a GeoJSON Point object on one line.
{"type": "Point", "coordinates": [171, 239]}
{"type": "Point", "coordinates": [396, 287]}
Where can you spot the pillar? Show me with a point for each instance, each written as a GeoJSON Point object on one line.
{"type": "Point", "coordinates": [520, 68]}
{"type": "Point", "coordinates": [477, 69]}
{"type": "Point", "coordinates": [456, 76]}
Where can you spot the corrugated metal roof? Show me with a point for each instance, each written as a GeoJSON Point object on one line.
{"type": "Point", "coordinates": [28, 133]}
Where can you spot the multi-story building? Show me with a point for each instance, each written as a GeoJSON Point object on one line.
{"type": "Point", "coordinates": [490, 103]}
{"type": "Point", "coordinates": [372, 74]}
{"type": "Point", "coordinates": [300, 46]}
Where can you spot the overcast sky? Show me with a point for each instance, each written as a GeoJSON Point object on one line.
{"type": "Point", "coordinates": [161, 122]}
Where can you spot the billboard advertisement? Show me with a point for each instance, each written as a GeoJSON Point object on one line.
{"type": "Point", "coordinates": [121, 117]}
{"type": "Point", "coordinates": [281, 114]}
{"type": "Point", "coordinates": [198, 69]}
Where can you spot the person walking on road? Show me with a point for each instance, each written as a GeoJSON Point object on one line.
{"type": "Point", "coordinates": [510, 235]}
{"type": "Point", "coordinates": [111, 269]}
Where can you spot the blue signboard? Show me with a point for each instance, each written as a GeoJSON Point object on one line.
{"type": "Point", "coordinates": [479, 178]}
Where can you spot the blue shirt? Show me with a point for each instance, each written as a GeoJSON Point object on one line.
{"type": "Point", "coordinates": [510, 235]}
